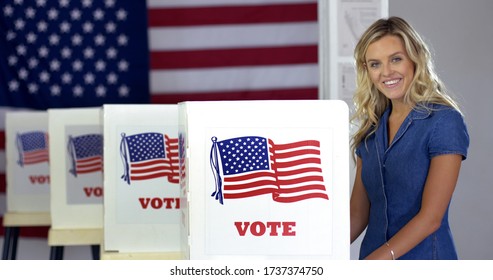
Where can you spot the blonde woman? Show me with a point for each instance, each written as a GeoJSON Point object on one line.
{"type": "Point", "coordinates": [409, 147]}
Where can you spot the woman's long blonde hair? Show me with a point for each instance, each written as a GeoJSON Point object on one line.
{"type": "Point", "coordinates": [425, 88]}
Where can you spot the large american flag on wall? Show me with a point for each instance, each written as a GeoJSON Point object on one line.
{"type": "Point", "coordinates": [196, 50]}
{"type": "Point", "coordinates": [233, 49]}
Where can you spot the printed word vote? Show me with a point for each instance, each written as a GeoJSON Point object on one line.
{"type": "Point", "coordinates": [271, 228]}
{"type": "Point", "coordinates": [93, 191]}
{"type": "Point", "coordinates": [160, 202]}
{"type": "Point", "coordinates": [39, 179]}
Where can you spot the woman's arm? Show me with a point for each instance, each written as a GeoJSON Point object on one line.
{"type": "Point", "coordinates": [438, 190]}
{"type": "Point", "coordinates": [359, 205]}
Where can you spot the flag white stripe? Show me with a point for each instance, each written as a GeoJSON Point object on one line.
{"type": "Point", "coordinates": [234, 78]}
{"type": "Point", "coordinates": [300, 193]}
{"type": "Point", "coordinates": [3, 160]}
{"type": "Point", "coordinates": [3, 112]}
{"type": "Point", "coordinates": [306, 185]}
{"type": "Point", "coordinates": [3, 203]}
{"type": "Point", "coordinates": [208, 3]}
{"type": "Point", "coordinates": [250, 189]}
{"type": "Point", "coordinates": [296, 176]}
{"type": "Point", "coordinates": [256, 179]}
{"type": "Point", "coordinates": [233, 36]}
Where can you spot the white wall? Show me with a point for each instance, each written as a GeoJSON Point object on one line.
{"type": "Point", "coordinates": [460, 32]}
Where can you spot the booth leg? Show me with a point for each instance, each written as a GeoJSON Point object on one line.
{"type": "Point", "coordinates": [15, 242]}
{"type": "Point", "coordinates": [6, 243]}
{"type": "Point", "coordinates": [56, 253]}
{"type": "Point", "coordinates": [10, 243]}
{"type": "Point", "coordinates": [95, 252]}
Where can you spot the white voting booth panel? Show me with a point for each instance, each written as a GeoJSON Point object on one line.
{"type": "Point", "coordinates": [265, 179]}
{"type": "Point", "coordinates": [141, 179]}
{"type": "Point", "coordinates": [76, 164]}
{"type": "Point", "coordinates": [28, 171]}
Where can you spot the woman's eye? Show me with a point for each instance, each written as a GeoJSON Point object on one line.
{"type": "Point", "coordinates": [396, 59]}
{"type": "Point", "coordinates": [374, 64]}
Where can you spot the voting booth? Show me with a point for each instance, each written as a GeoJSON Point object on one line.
{"type": "Point", "coordinates": [264, 179]}
{"type": "Point", "coordinates": [28, 175]}
{"type": "Point", "coordinates": [76, 168]}
{"type": "Point", "coordinates": [76, 155]}
{"type": "Point", "coordinates": [141, 181]}
{"type": "Point", "coordinates": [28, 162]}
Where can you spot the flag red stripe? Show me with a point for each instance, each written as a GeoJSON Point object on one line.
{"type": "Point", "coordinates": [244, 186]}
{"type": "Point", "coordinates": [3, 179]}
{"type": "Point", "coordinates": [157, 168]}
{"type": "Point", "coordinates": [304, 152]}
{"type": "Point", "coordinates": [34, 153]}
{"type": "Point", "coordinates": [89, 164]}
{"type": "Point", "coordinates": [3, 183]}
{"type": "Point", "coordinates": [296, 145]}
{"type": "Point", "coordinates": [83, 171]}
{"type": "Point", "coordinates": [168, 174]}
{"type": "Point", "coordinates": [302, 170]}
{"type": "Point", "coordinates": [2, 140]}
{"type": "Point", "coordinates": [234, 57]}
{"type": "Point", "coordinates": [286, 183]}
{"type": "Point", "coordinates": [249, 176]}
{"type": "Point", "coordinates": [300, 197]}
{"type": "Point", "coordinates": [247, 194]}
{"type": "Point", "coordinates": [232, 14]}
{"type": "Point", "coordinates": [160, 162]}
{"type": "Point", "coordinates": [274, 94]}
{"type": "Point", "coordinates": [35, 160]}
{"type": "Point", "coordinates": [36, 156]}
{"type": "Point", "coordinates": [90, 159]}
{"type": "Point", "coordinates": [298, 162]}
{"type": "Point", "coordinates": [170, 140]}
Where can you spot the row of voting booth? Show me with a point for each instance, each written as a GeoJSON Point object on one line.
{"type": "Point", "coordinates": [191, 181]}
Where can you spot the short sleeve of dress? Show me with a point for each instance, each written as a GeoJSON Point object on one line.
{"type": "Point", "coordinates": [358, 150]}
{"type": "Point", "coordinates": [361, 149]}
{"type": "Point", "coordinates": [449, 135]}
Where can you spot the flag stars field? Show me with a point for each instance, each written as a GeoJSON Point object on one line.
{"type": "Point", "coordinates": [47, 38]}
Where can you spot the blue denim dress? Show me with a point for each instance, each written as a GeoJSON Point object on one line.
{"type": "Point", "coordinates": [394, 176]}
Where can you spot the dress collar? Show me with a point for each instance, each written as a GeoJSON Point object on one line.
{"type": "Point", "coordinates": [417, 113]}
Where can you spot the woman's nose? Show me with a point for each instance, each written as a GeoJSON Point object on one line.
{"type": "Point", "coordinates": [386, 69]}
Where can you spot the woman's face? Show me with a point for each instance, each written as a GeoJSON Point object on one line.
{"type": "Point", "coordinates": [389, 67]}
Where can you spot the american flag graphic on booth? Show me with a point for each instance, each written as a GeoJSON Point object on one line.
{"type": "Point", "coordinates": [32, 147]}
{"type": "Point", "coordinates": [182, 156]}
{"type": "Point", "coordinates": [149, 155]}
{"type": "Point", "coordinates": [86, 153]}
{"type": "Point", "coordinates": [251, 165]}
